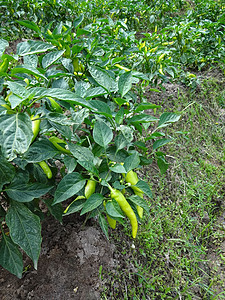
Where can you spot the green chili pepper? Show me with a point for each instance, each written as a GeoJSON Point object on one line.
{"type": "Point", "coordinates": [4, 66]}
{"type": "Point", "coordinates": [89, 188]}
{"type": "Point", "coordinates": [56, 141]}
{"type": "Point", "coordinates": [35, 126]}
{"type": "Point", "coordinates": [112, 222]}
{"type": "Point", "coordinates": [46, 169]}
{"type": "Point", "coordinates": [126, 208]}
{"type": "Point", "coordinates": [56, 107]}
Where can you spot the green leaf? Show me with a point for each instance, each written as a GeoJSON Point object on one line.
{"type": "Point", "coordinates": [121, 142]}
{"type": "Point", "coordinates": [26, 192]}
{"type": "Point", "coordinates": [61, 94]}
{"type": "Point", "coordinates": [41, 150]}
{"type": "Point", "coordinates": [142, 118]}
{"type": "Point", "coordinates": [56, 211]}
{"type": "Point", "coordinates": [102, 134]}
{"type": "Point", "coordinates": [139, 201]}
{"type": "Point", "coordinates": [125, 83]}
{"type": "Point", "coordinates": [89, 166]}
{"type": "Point", "coordinates": [25, 229]}
{"type": "Point", "coordinates": [119, 116]}
{"type": "Point", "coordinates": [131, 162]}
{"type": "Point", "coordinates": [7, 172]}
{"type": "Point", "coordinates": [3, 44]}
{"type": "Point", "coordinates": [112, 211]}
{"type": "Point", "coordinates": [118, 168]}
{"type": "Point", "coordinates": [81, 153]}
{"type": "Point", "coordinates": [70, 163]}
{"type": "Point", "coordinates": [104, 225]}
{"type": "Point", "coordinates": [101, 107]}
{"type": "Point", "coordinates": [51, 57]}
{"type": "Point", "coordinates": [167, 118]}
{"type": "Point", "coordinates": [10, 257]}
{"type": "Point", "coordinates": [16, 134]}
{"type": "Point", "coordinates": [144, 106]}
{"type": "Point", "coordinates": [159, 143]}
{"type": "Point", "coordinates": [144, 187]}
{"type": "Point", "coordinates": [102, 77]}
{"type": "Point", "coordinates": [162, 164]}
{"type": "Point", "coordinates": [27, 70]}
{"type": "Point", "coordinates": [29, 24]}
{"type": "Point", "coordinates": [91, 203]}
{"type": "Point", "coordinates": [78, 21]}
{"type": "Point", "coordinates": [70, 185]}
{"type": "Point", "coordinates": [31, 47]}
{"type": "Point", "coordinates": [18, 89]}
{"type": "Point", "coordinates": [94, 92]}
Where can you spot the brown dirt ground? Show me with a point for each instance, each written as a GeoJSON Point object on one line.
{"type": "Point", "coordinates": [68, 267]}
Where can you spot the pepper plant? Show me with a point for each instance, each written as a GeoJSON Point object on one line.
{"type": "Point", "coordinates": [89, 119]}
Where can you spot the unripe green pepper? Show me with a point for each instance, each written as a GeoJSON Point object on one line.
{"type": "Point", "coordinates": [126, 208]}
{"type": "Point", "coordinates": [76, 65]}
{"type": "Point", "coordinates": [56, 141]}
{"type": "Point", "coordinates": [35, 126]}
{"type": "Point", "coordinates": [89, 188]}
{"type": "Point", "coordinates": [112, 222]}
{"type": "Point", "coordinates": [56, 107]}
{"type": "Point", "coordinates": [4, 66]}
{"type": "Point", "coordinates": [132, 178]}
{"type": "Point", "coordinates": [139, 208]}
{"type": "Point", "coordinates": [46, 169]}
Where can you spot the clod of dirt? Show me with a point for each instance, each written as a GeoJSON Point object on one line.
{"type": "Point", "coordinates": [68, 267]}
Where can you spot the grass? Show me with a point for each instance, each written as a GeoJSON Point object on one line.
{"type": "Point", "coordinates": [171, 256]}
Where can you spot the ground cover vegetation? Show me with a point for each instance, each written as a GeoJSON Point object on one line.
{"type": "Point", "coordinates": [101, 91]}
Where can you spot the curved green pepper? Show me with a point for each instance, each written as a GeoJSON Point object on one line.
{"type": "Point", "coordinates": [56, 141]}
{"type": "Point", "coordinates": [46, 169]}
{"type": "Point", "coordinates": [35, 126]}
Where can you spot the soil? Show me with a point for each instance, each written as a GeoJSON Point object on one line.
{"type": "Point", "coordinates": [69, 264]}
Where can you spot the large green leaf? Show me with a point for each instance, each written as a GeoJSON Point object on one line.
{"type": "Point", "coordinates": [27, 70]}
{"type": "Point", "coordinates": [18, 89]}
{"type": "Point", "coordinates": [112, 210]}
{"type": "Point", "coordinates": [101, 107]}
{"type": "Point", "coordinates": [142, 118]}
{"type": "Point", "coordinates": [70, 185]}
{"type": "Point", "coordinates": [167, 118]}
{"type": "Point", "coordinates": [10, 257]}
{"type": "Point", "coordinates": [16, 134]}
{"type": "Point", "coordinates": [104, 225]}
{"type": "Point", "coordinates": [159, 143]}
{"type": "Point", "coordinates": [25, 229]}
{"type": "Point", "coordinates": [94, 92]}
{"type": "Point", "coordinates": [144, 187]}
{"type": "Point", "coordinates": [31, 47]}
{"type": "Point", "coordinates": [139, 201]}
{"type": "Point", "coordinates": [102, 134]}
{"type": "Point", "coordinates": [51, 57]}
{"type": "Point", "coordinates": [81, 153]}
{"type": "Point", "coordinates": [3, 45]}
{"type": "Point", "coordinates": [41, 150]}
{"type": "Point", "coordinates": [61, 94]}
{"type": "Point", "coordinates": [144, 106]}
{"type": "Point", "coordinates": [7, 172]}
{"type": "Point", "coordinates": [102, 77]}
{"type": "Point", "coordinates": [29, 24]}
{"type": "Point", "coordinates": [92, 202]}
{"type": "Point", "coordinates": [26, 192]}
{"type": "Point", "coordinates": [131, 162]}
{"type": "Point", "coordinates": [125, 83]}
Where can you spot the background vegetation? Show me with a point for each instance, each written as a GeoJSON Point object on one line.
{"type": "Point", "coordinates": [175, 51]}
